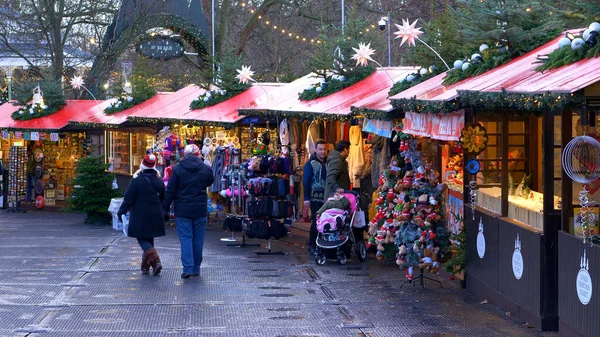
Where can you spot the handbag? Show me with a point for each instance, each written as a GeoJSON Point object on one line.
{"type": "Point", "coordinates": [359, 219]}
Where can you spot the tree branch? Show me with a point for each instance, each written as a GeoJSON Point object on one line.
{"type": "Point", "coordinates": [253, 22]}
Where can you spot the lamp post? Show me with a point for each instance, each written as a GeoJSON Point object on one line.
{"type": "Point", "coordinates": [8, 70]}
{"type": "Point", "coordinates": [384, 23]}
{"type": "Point", "coordinates": [343, 16]}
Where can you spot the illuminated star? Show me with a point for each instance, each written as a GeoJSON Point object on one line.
{"type": "Point", "coordinates": [245, 75]}
{"type": "Point", "coordinates": [77, 82]}
{"type": "Point", "coordinates": [408, 32]}
{"type": "Point", "coordinates": [363, 54]}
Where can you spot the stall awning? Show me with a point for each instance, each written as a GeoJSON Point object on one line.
{"type": "Point", "coordinates": [435, 126]}
{"type": "Point", "coordinates": [338, 104]}
{"type": "Point", "coordinates": [56, 121]}
{"type": "Point", "coordinates": [95, 116]}
{"type": "Point", "coordinates": [179, 111]}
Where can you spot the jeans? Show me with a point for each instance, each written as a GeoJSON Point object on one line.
{"type": "Point", "coordinates": [146, 243]}
{"type": "Point", "coordinates": [314, 207]}
{"type": "Point", "coordinates": [191, 236]}
{"type": "Point", "coordinates": [31, 180]}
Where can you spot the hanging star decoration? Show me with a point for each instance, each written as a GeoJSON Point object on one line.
{"type": "Point", "coordinates": [408, 32]}
{"type": "Point", "coordinates": [77, 82]}
{"type": "Point", "coordinates": [363, 54]}
{"type": "Point", "coordinates": [245, 75]}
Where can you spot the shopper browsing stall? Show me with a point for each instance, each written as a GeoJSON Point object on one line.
{"type": "Point", "coordinates": [338, 178]}
{"type": "Point", "coordinates": [313, 181]}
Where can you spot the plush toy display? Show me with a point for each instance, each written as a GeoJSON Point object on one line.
{"type": "Point", "coordinates": [407, 226]}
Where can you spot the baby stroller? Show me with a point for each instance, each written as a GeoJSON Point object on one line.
{"type": "Point", "coordinates": [341, 237]}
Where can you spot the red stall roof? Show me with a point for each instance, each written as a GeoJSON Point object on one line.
{"type": "Point", "coordinates": [366, 93]}
{"type": "Point", "coordinates": [56, 121]}
{"type": "Point", "coordinates": [224, 112]}
{"type": "Point", "coordinates": [516, 76]}
{"type": "Point", "coordinates": [97, 116]}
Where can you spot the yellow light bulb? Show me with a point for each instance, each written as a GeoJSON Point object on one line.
{"type": "Point", "coordinates": [274, 27]}
{"type": "Point", "coordinates": [267, 22]}
{"type": "Point", "coordinates": [243, 4]}
{"type": "Point", "coordinates": [283, 30]}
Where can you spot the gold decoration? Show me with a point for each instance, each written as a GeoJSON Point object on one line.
{"type": "Point", "coordinates": [473, 138]}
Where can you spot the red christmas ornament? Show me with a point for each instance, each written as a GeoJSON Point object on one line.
{"type": "Point", "coordinates": [424, 233]}
{"type": "Point", "coordinates": [451, 277]}
{"type": "Point", "coordinates": [379, 201]}
{"type": "Point", "coordinates": [39, 202]}
{"type": "Point", "coordinates": [391, 195]}
{"type": "Point", "coordinates": [431, 235]}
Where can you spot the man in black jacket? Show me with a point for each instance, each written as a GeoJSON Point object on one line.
{"type": "Point", "coordinates": [313, 181]}
{"type": "Point", "coordinates": [187, 188]}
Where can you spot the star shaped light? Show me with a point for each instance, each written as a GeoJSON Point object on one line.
{"type": "Point", "coordinates": [363, 54]}
{"type": "Point", "coordinates": [408, 32]}
{"type": "Point", "coordinates": [77, 82]}
{"type": "Point", "coordinates": [245, 75]}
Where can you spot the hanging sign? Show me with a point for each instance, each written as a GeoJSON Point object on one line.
{"type": "Point", "coordinates": [584, 281]}
{"type": "Point", "coordinates": [5, 134]}
{"type": "Point", "coordinates": [446, 126]}
{"type": "Point", "coordinates": [517, 259]}
{"type": "Point", "coordinates": [54, 137]}
{"type": "Point", "coordinates": [18, 134]}
{"type": "Point", "coordinates": [161, 48]}
{"type": "Point", "coordinates": [417, 124]}
{"type": "Point", "coordinates": [480, 240]}
{"type": "Point", "coordinates": [27, 135]}
{"type": "Point", "coordinates": [473, 138]}
{"type": "Point", "coordinates": [35, 136]}
{"type": "Point", "coordinates": [378, 127]}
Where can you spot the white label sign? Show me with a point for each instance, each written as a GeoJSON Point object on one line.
{"type": "Point", "coordinates": [480, 240]}
{"type": "Point", "coordinates": [517, 259]}
{"type": "Point", "coordinates": [584, 281]}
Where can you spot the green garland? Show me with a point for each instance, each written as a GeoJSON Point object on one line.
{"type": "Point", "coordinates": [533, 104]}
{"type": "Point", "coordinates": [567, 55]}
{"type": "Point", "coordinates": [91, 125]}
{"type": "Point", "coordinates": [30, 111]}
{"type": "Point", "coordinates": [402, 85]}
{"type": "Point", "coordinates": [157, 121]}
{"type": "Point", "coordinates": [216, 97]}
{"type": "Point", "coordinates": [374, 114]}
{"type": "Point", "coordinates": [125, 102]}
{"type": "Point", "coordinates": [520, 104]}
{"type": "Point", "coordinates": [3, 96]}
{"type": "Point", "coordinates": [332, 85]}
{"type": "Point", "coordinates": [294, 114]}
{"type": "Point", "coordinates": [492, 60]}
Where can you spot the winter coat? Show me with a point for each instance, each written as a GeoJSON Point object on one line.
{"type": "Point", "coordinates": [313, 179]}
{"type": "Point", "coordinates": [337, 173]}
{"type": "Point", "coordinates": [356, 158]}
{"type": "Point", "coordinates": [143, 198]}
{"type": "Point", "coordinates": [381, 158]}
{"type": "Point", "coordinates": [187, 188]}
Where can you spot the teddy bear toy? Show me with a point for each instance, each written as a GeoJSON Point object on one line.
{"type": "Point", "coordinates": [394, 168]}
{"type": "Point", "coordinates": [401, 256]}
{"type": "Point", "coordinates": [426, 260]}
{"type": "Point", "coordinates": [435, 265]}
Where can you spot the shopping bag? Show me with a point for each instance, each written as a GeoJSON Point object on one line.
{"type": "Point", "coordinates": [125, 220]}
{"type": "Point", "coordinates": [359, 219]}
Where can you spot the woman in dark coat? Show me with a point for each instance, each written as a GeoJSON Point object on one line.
{"type": "Point", "coordinates": [144, 198]}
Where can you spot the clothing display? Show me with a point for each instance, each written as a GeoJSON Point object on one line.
{"type": "Point", "coordinates": [356, 158]}
{"type": "Point", "coordinates": [381, 158]}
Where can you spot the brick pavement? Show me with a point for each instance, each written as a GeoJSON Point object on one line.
{"type": "Point", "coordinates": [60, 277]}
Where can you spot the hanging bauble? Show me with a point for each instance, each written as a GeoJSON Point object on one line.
{"type": "Point", "coordinates": [586, 34]}
{"type": "Point", "coordinates": [205, 99]}
{"type": "Point", "coordinates": [319, 89]}
{"type": "Point", "coordinates": [342, 78]}
{"type": "Point", "coordinates": [476, 57]}
{"type": "Point", "coordinates": [410, 78]}
{"type": "Point", "coordinates": [423, 71]}
{"type": "Point", "coordinates": [466, 66]}
{"type": "Point", "coordinates": [595, 26]}
{"type": "Point", "coordinates": [577, 43]}
{"type": "Point", "coordinates": [310, 87]}
{"type": "Point", "coordinates": [564, 42]}
{"type": "Point", "coordinates": [581, 159]}
{"type": "Point", "coordinates": [432, 68]}
{"type": "Point", "coordinates": [458, 64]}
{"type": "Point", "coordinates": [483, 48]}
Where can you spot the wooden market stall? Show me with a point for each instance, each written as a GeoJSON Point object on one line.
{"type": "Point", "coordinates": [522, 220]}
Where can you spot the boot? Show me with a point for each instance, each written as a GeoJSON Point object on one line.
{"type": "Point", "coordinates": [145, 265]}
{"type": "Point", "coordinates": [154, 261]}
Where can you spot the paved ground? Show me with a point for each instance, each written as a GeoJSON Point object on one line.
{"type": "Point", "coordinates": [61, 278]}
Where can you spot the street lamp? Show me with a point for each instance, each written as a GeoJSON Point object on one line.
{"type": "Point", "coordinates": [384, 23]}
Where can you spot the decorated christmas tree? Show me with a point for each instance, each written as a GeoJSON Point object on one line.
{"type": "Point", "coordinates": [409, 223]}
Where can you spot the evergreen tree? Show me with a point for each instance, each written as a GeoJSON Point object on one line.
{"type": "Point", "coordinates": [94, 191]}
{"type": "Point", "coordinates": [579, 13]}
{"type": "Point", "coordinates": [442, 34]}
{"type": "Point", "coordinates": [519, 25]}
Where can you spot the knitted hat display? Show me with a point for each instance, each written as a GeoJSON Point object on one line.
{"type": "Point", "coordinates": [148, 163]}
{"type": "Point", "coordinates": [192, 149]}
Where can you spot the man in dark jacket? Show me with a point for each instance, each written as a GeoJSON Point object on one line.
{"type": "Point", "coordinates": [338, 178]}
{"type": "Point", "coordinates": [187, 188]}
{"type": "Point", "coordinates": [313, 181]}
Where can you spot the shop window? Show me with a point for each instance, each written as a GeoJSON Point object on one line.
{"type": "Point", "coordinates": [140, 142]}
{"type": "Point", "coordinates": [118, 154]}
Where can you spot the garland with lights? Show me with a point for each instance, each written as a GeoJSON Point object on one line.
{"type": "Point", "coordinates": [31, 111]}
{"type": "Point", "coordinates": [141, 91]}
{"type": "Point", "coordinates": [520, 104]}
{"type": "Point", "coordinates": [573, 48]}
{"type": "Point", "coordinates": [90, 125]}
{"type": "Point", "coordinates": [213, 97]}
{"type": "Point", "coordinates": [411, 80]}
{"type": "Point", "coordinates": [125, 102]}
{"type": "Point", "coordinates": [335, 83]}
{"type": "Point", "coordinates": [154, 121]}
{"type": "Point", "coordinates": [373, 113]}
{"type": "Point", "coordinates": [294, 114]}
{"type": "Point", "coordinates": [38, 100]}
{"type": "Point", "coordinates": [476, 65]}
